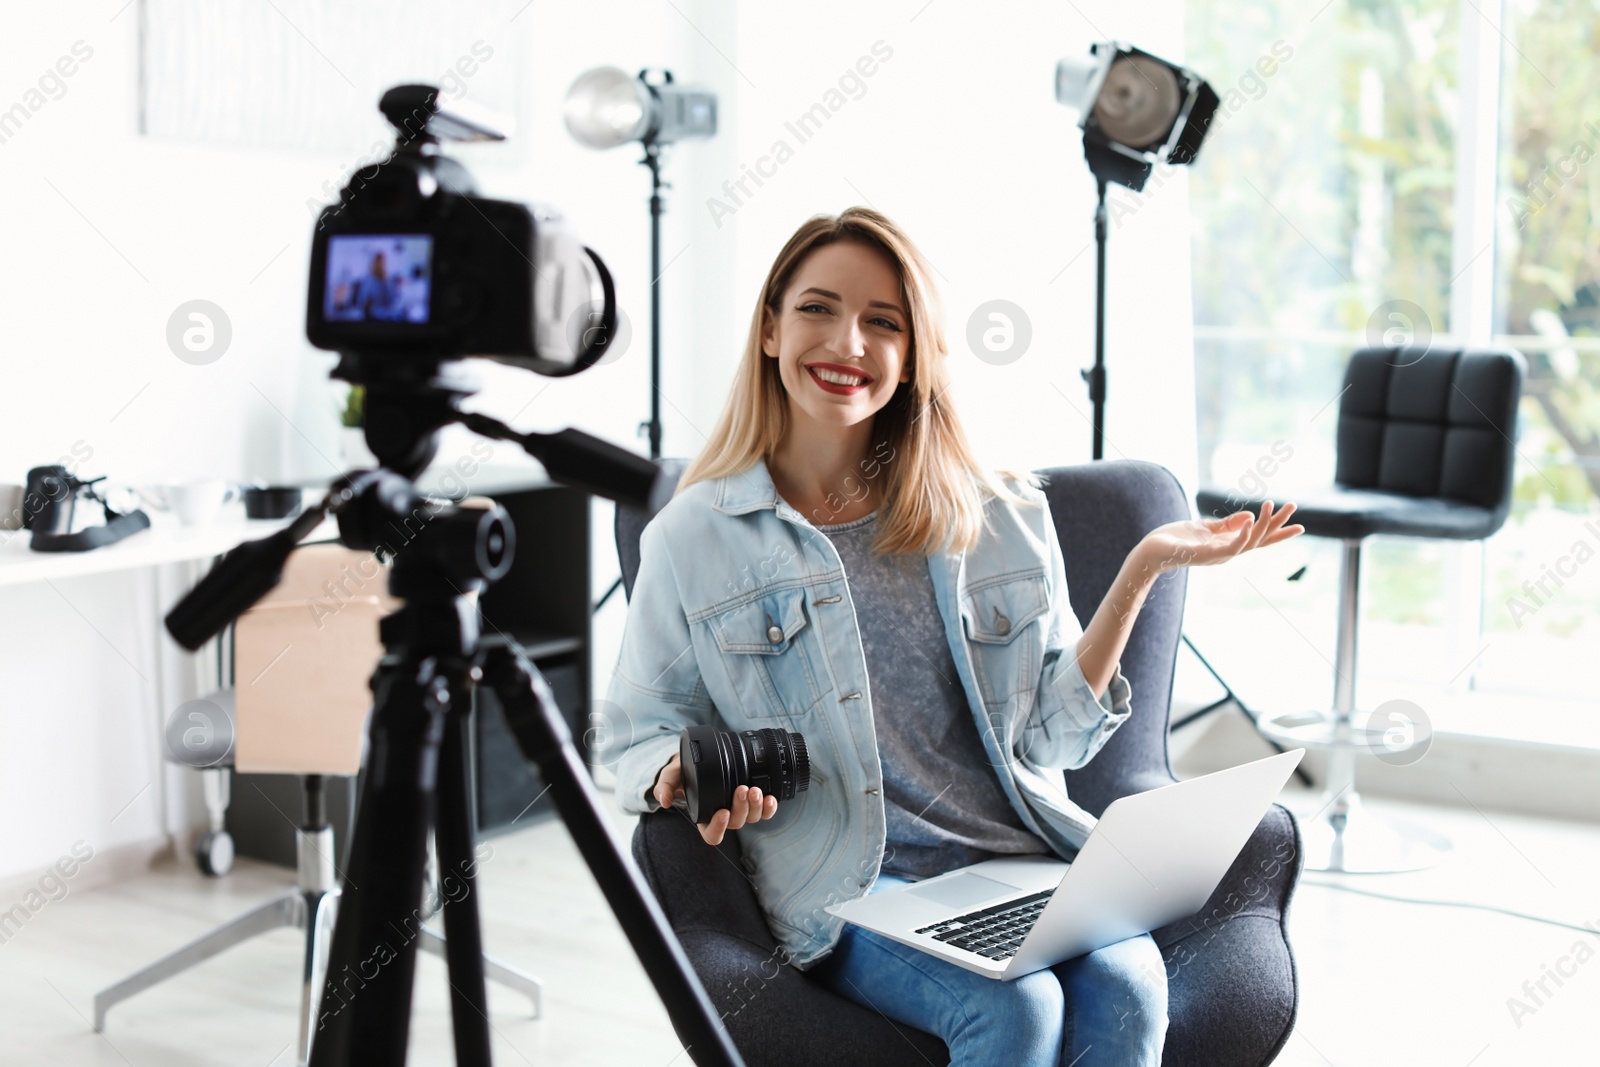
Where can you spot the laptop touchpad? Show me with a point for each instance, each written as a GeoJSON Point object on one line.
{"type": "Point", "coordinates": [961, 890]}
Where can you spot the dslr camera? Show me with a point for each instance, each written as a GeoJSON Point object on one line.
{"type": "Point", "coordinates": [415, 263]}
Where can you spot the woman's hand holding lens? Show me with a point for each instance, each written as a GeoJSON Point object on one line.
{"type": "Point", "coordinates": [749, 805]}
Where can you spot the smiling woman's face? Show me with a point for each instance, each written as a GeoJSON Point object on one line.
{"type": "Point", "coordinates": [841, 334]}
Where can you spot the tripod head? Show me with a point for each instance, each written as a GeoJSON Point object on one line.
{"type": "Point", "coordinates": [457, 542]}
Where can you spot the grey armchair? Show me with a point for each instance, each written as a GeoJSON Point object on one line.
{"type": "Point", "coordinates": [1232, 985]}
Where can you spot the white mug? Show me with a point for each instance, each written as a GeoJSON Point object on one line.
{"type": "Point", "coordinates": [195, 503]}
{"type": "Point", "coordinates": [11, 506]}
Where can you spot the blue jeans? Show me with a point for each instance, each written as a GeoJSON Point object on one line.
{"type": "Point", "coordinates": [1104, 1009]}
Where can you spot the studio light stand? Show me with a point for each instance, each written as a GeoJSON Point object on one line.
{"type": "Point", "coordinates": [607, 107]}
{"type": "Point", "coordinates": [1136, 110]}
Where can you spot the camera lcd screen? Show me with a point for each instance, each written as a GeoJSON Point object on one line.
{"type": "Point", "coordinates": [378, 278]}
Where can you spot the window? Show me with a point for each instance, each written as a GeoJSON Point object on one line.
{"type": "Point", "coordinates": [1323, 211]}
{"type": "Point", "coordinates": [1543, 584]}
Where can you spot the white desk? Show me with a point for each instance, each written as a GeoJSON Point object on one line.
{"type": "Point", "coordinates": [168, 541]}
{"type": "Point", "coordinates": [134, 802]}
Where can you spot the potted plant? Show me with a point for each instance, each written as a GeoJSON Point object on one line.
{"type": "Point", "coordinates": [352, 429]}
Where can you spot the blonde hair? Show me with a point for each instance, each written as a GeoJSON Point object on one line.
{"type": "Point", "coordinates": [934, 490]}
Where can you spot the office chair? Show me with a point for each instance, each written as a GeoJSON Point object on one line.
{"type": "Point", "coordinates": [302, 659]}
{"type": "Point", "coordinates": [1232, 986]}
{"type": "Point", "coordinates": [1425, 448]}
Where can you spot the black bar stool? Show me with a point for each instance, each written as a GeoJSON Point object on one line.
{"type": "Point", "coordinates": [1426, 444]}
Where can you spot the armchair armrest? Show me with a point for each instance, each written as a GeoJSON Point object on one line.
{"type": "Point", "coordinates": [1231, 979]}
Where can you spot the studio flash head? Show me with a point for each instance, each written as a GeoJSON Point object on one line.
{"type": "Point", "coordinates": [1135, 109]}
{"type": "Point", "coordinates": [607, 107]}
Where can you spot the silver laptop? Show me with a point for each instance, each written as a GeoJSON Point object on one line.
{"type": "Point", "coordinates": [1152, 858]}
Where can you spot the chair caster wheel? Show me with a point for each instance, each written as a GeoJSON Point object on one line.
{"type": "Point", "coordinates": [214, 853]}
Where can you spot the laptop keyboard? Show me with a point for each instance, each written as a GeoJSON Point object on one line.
{"type": "Point", "coordinates": [995, 933]}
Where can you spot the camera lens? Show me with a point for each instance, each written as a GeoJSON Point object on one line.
{"type": "Point", "coordinates": [716, 762]}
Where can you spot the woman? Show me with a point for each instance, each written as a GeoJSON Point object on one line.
{"type": "Point", "coordinates": [837, 528]}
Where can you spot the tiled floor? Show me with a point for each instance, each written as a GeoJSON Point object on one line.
{"type": "Point", "coordinates": [1382, 982]}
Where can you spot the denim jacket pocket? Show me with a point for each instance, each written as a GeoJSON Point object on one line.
{"type": "Point", "coordinates": [766, 644]}
{"type": "Point", "coordinates": [993, 613]}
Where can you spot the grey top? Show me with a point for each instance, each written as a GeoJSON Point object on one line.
{"type": "Point", "coordinates": [942, 801]}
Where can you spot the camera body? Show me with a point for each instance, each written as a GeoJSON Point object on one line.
{"type": "Point", "coordinates": [413, 262]}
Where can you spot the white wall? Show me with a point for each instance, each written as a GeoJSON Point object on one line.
{"type": "Point", "coordinates": [956, 136]}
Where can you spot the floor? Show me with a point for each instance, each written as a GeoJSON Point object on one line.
{"type": "Point", "coordinates": [1382, 982]}
{"type": "Point", "coordinates": [1386, 982]}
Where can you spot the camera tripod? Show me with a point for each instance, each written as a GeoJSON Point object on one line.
{"type": "Point", "coordinates": [416, 773]}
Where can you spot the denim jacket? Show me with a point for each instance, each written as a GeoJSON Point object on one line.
{"type": "Point", "coordinates": [741, 617]}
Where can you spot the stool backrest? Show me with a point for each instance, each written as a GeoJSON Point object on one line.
{"type": "Point", "coordinates": [303, 657]}
{"type": "Point", "coordinates": [1424, 421]}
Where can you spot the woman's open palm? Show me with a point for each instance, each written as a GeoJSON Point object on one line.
{"type": "Point", "coordinates": [1202, 542]}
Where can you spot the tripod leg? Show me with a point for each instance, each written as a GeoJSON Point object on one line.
{"type": "Point", "coordinates": [1233, 698]}
{"type": "Point", "coordinates": [453, 836]}
{"type": "Point", "coordinates": [365, 1011]}
{"type": "Point", "coordinates": [543, 737]}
